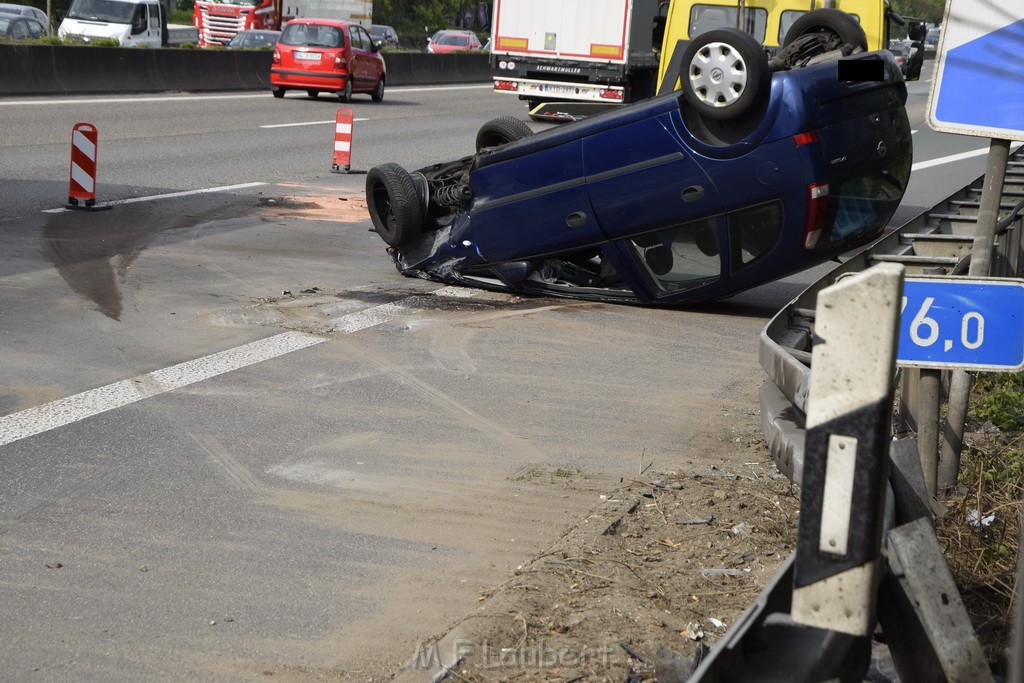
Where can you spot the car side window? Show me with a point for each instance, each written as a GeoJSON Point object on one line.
{"type": "Point", "coordinates": [19, 29]}
{"type": "Point", "coordinates": [678, 258]}
{"type": "Point", "coordinates": [139, 22]}
{"type": "Point", "coordinates": [753, 231]}
{"type": "Point", "coordinates": [358, 34]}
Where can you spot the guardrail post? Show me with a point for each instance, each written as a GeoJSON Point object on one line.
{"type": "Point", "coordinates": [981, 265]}
{"type": "Point", "coordinates": [852, 386]}
{"type": "Point", "coordinates": [928, 426]}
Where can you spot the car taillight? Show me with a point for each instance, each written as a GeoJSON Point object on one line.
{"type": "Point", "coordinates": [612, 95]}
{"type": "Point", "coordinates": [510, 86]}
{"type": "Point", "coordinates": [277, 57]}
{"type": "Point", "coordinates": [339, 62]}
{"type": "Point", "coordinates": [817, 214]}
{"type": "Point", "coordinates": [807, 138]}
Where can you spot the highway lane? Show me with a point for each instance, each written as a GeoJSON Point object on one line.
{"type": "Point", "coordinates": [317, 512]}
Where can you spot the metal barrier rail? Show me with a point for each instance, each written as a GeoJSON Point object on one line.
{"type": "Point", "coordinates": [936, 242]}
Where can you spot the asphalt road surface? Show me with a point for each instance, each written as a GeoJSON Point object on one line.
{"type": "Point", "coordinates": [238, 442]}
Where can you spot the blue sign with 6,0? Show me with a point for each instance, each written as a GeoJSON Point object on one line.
{"type": "Point", "coordinates": [968, 323]}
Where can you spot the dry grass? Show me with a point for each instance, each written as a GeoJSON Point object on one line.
{"type": "Point", "coordinates": [981, 534]}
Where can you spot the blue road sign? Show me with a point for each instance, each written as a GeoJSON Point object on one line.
{"type": "Point", "coordinates": [968, 323]}
{"type": "Point", "coordinates": [979, 74]}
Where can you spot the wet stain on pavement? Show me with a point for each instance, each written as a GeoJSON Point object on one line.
{"type": "Point", "coordinates": [94, 250]}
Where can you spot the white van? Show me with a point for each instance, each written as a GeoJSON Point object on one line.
{"type": "Point", "coordinates": [130, 22]}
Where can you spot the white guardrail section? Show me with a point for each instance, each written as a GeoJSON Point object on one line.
{"type": "Point", "coordinates": [938, 242]}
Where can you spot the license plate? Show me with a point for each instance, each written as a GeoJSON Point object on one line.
{"type": "Point", "coordinates": [560, 89]}
{"type": "Point", "coordinates": [308, 56]}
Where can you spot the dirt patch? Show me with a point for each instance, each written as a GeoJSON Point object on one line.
{"type": "Point", "coordinates": [346, 209]}
{"type": "Point", "coordinates": [668, 562]}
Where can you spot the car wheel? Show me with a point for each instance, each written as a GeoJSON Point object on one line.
{"type": "Point", "coordinates": [726, 73]}
{"type": "Point", "coordinates": [837, 27]}
{"type": "Point", "coordinates": [313, 93]}
{"type": "Point", "coordinates": [346, 94]}
{"type": "Point", "coordinates": [501, 131]}
{"type": "Point", "coordinates": [277, 92]}
{"type": "Point", "coordinates": [395, 207]}
{"type": "Point", "coordinates": [378, 93]}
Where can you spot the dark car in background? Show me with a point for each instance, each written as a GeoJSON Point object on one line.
{"type": "Point", "coordinates": [20, 27]}
{"type": "Point", "coordinates": [902, 52]}
{"type": "Point", "coordinates": [327, 55]}
{"type": "Point", "coordinates": [254, 39]}
{"type": "Point", "coordinates": [743, 177]}
{"type": "Point", "coordinates": [384, 35]}
{"type": "Point", "coordinates": [24, 10]}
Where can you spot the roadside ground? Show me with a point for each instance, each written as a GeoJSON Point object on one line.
{"type": "Point", "coordinates": [664, 564]}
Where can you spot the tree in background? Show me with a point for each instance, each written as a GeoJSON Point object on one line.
{"type": "Point", "coordinates": [417, 20]}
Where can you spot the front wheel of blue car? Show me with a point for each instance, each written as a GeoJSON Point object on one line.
{"type": "Point", "coordinates": [395, 207]}
{"type": "Point", "coordinates": [501, 131]}
{"type": "Point", "coordinates": [726, 73]}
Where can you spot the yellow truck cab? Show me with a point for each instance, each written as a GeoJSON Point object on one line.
{"type": "Point", "coordinates": [768, 21]}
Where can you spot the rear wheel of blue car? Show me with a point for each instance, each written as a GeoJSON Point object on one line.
{"type": "Point", "coordinates": [395, 207]}
{"type": "Point", "coordinates": [834, 28]}
{"type": "Point", "coordinates": [726, 74]}
{"type": "Point", "coordinates": [501, 131]}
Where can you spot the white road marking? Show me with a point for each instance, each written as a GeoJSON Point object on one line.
{"type": "Point", "coordinates": [170, 195]}
{"type": "Point", "coordinates": [305, 123]}
{"type": "Point", "coordinates": [192, 98]}
{"type": "Point", "coordinates": [953, 158]}
{"type": "Point", "coordinates": [70, 409]}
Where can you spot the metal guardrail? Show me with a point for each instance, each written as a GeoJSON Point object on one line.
{"type": "Point", "coordinates": [936, 242]}
{"type": "Point", "coordinates": [867, 561]}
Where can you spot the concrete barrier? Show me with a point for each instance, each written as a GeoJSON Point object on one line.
{"type": "Point", "coordinates": [69, 70]}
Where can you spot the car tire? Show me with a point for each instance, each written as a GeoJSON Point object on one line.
{"type": "Point", "coordinates": [501, 131]}
{"type": "Point", "coordinates": [346, 94]}
{"type": "Point", "coordinates": [277, 92]}
{"type": "Point", "coordinates": [395, 207]}
{"type": "Point", "coordinates": [313, 93]}
{"type": "Point", "coordinates": [378, 93]}
{"type": "Point", "coordinates": [725, 73]}
{"type": "Point", "coordinates": [838, 25]}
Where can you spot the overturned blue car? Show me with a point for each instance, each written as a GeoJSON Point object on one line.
{"type": "Point", "coordinates": [753, 170]}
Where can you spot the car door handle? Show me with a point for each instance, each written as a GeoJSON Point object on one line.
{"type": "Point", "coordinates": [693, 193]}
{"type": "Point", "coordinates": [576, 219]}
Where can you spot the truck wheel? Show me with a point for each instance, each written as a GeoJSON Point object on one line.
{"type": "Point", "coordinates": [378, 93]}
{"type": "Point", "coordinates": [277, 92]}
{"type": "Point", "coordinates": [346, 94]}
{"type": "Point", "coordinates": [726, 73]}
{"type": "Point", "coordinates": [501, 131]}
{"type": "Point", "coordinates": [835, 26]}
{"type": "Point", "coordinates": [395, 207]}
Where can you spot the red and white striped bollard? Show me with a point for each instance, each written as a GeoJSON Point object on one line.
{"type": "Point", "coordinates": [82, 185]}
{"type": "Point", "coordinates": [342, 142]}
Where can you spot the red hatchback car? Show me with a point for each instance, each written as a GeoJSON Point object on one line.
{"type": "Point", "coordinates": [327, 55]}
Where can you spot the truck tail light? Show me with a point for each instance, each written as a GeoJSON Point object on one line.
{"type": "Point", "coordinates": [612, 95]}
{"type": "Point", "coordinates": [508, 86]}
{"type": "Point", "coordinates": [817, 214]}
